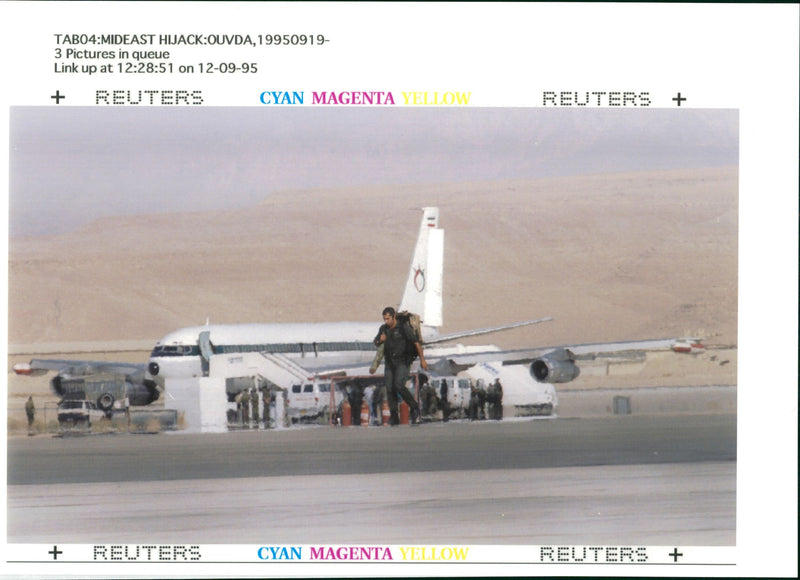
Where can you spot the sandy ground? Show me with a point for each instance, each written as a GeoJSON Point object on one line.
{"type": "Point", "coordinates": [609, 257]}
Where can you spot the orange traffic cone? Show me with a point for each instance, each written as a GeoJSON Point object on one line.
{"type": "Point", "coordinates": [385, 413]}
{"type": "Point", "coordinates": [347, 417]}
{"type": "Point", "coordinates": [405, 412]}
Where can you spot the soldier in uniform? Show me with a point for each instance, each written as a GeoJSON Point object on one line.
{"type": "Point", "coordinates": [246, 408]}
{"type": "Point", "coordinates": [428, 396]}
{"type": "Point", "coordinates": [266, 396]}
{"type": "Point", "coordinates": [254, 402]}
{"type": "Point", "coordinates": [481, 400]}
{"type": "Point", "coordinates": [30, 411]}
{"type": "Point", "coordinates": [399, 341]}
{"type": "Point", "coordinates": [491, 397]}
{"type": "Point", "coordinates": [444, 403]}
{"type": "Point", "coordinates": [495, 398]}
{"type": "Point", "coordinates": [355, 397]}
{"type": "Point", "coordinates": [472, 409]}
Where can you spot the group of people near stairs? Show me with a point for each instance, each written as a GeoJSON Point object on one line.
{"type": "Point", "coordinates": [399, 345]}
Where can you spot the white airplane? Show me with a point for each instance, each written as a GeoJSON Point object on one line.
{"type": "Point", "coordinates": [324, 347]}
{"type": "Point", "coordinates": [328, 347]}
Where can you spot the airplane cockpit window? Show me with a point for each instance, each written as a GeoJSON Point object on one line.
{"type": "Point", "coordinates": [308, 388]}
{"type": "Point", "coordinates": [325, 388]}
{"type": "Point", "coordinates": [172, 350]}
{"type": "Point", "coordinates": [296, 388]}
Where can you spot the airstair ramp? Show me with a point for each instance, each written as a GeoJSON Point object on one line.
{"type": "Point", "coordinates": [276, 368]}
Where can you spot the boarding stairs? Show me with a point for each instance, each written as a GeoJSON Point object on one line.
{"type": "Point", "coordinates": [281, 370]}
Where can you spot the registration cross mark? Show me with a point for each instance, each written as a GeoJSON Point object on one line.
{"type": "Point", "coordinates": [58, 96]}
{"type": "Point", "coordinates": [675, 554]}
{"type": "Point", "coordinates": [679, 99]}
{"type": "Point", "coordinates": [55, 551]}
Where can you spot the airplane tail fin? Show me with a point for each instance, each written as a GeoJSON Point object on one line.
{"type": "Point", "coordinates": [423, 291]}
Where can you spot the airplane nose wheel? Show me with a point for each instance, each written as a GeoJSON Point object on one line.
{"type": "Point", "coordinates": [153, 368]}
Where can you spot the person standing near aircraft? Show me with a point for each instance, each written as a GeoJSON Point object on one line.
{"type": "Point", "coordinates": [254, 402]}
{"type": "Point", "coordinates": [246, 408]}
{"type": "Point", "coordinates": [481, 400]}
{"type": "Point", "coordinates": [494, 396]}
{"type": "Point", "coordinates": [472, 408]}
{"type": "Point", "coordinates": [427, 396]}
{"type": "Point", "coordinates": [266, 398]}
{"type": "Point", "coordinates": [355, 397]}
{"type": "Point", "coordinates": [30, 411]}
{"type": "Point", "coordinates": [399, 342]}
{"type": "Point", "coordinates": [444, 403]}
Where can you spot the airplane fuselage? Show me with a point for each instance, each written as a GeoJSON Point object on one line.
{"type": "Point", "coordinates": [316, 349]}
{"type": "Point", "coordinates": [181, 354]}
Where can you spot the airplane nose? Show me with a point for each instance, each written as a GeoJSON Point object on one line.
{"type": "Point", "coordinates": [153, 368]}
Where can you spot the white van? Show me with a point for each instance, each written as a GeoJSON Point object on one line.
{"type": "Point", "coordinates": [458, 390]}
{"type": "Point", "coordinates": [310, 401]}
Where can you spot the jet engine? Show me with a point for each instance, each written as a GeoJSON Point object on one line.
{"type": "Point", "coordinates": [555, 367]}
{"type": "Point", "coordinates": [105, 389]}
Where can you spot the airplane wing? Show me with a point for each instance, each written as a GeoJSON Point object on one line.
{"type": "Point", "coordinates": [138, 390]}
{"type": "Point", "coordinates": [77, 367]}
{"type": "Point", "coordinates": [479, 331]}
{"type": "Point", "coordinates": [549, 364]}
{"type": "Point", "coordinates": [588, 351]}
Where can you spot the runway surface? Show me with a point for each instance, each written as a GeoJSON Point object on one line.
{"type": "Point", "coordinates": [622, 479]}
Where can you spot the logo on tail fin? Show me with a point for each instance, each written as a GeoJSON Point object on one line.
{"type": "Point", "coordinates": [419, 279]}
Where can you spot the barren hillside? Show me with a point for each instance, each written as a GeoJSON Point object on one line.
{"type": "Point", "coordinates": [610, 257]}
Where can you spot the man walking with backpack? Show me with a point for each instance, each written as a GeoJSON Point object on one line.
{"type": "Point", "coordinates": [401, 346]}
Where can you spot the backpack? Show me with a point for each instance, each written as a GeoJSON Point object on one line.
{"type": "Point", "coordinates": [413, 320]}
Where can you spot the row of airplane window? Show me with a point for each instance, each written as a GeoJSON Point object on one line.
{"type": "Point", "coordinates": [306, 348]}
{"type": "Point", "coordinates": [303, 348]}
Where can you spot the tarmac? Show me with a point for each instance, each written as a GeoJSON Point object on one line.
{"type": "Point", "coordinates": [619, 479]}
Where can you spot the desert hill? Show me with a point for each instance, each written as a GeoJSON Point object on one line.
{"type": "Point", "coordinates": [609, 256]}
